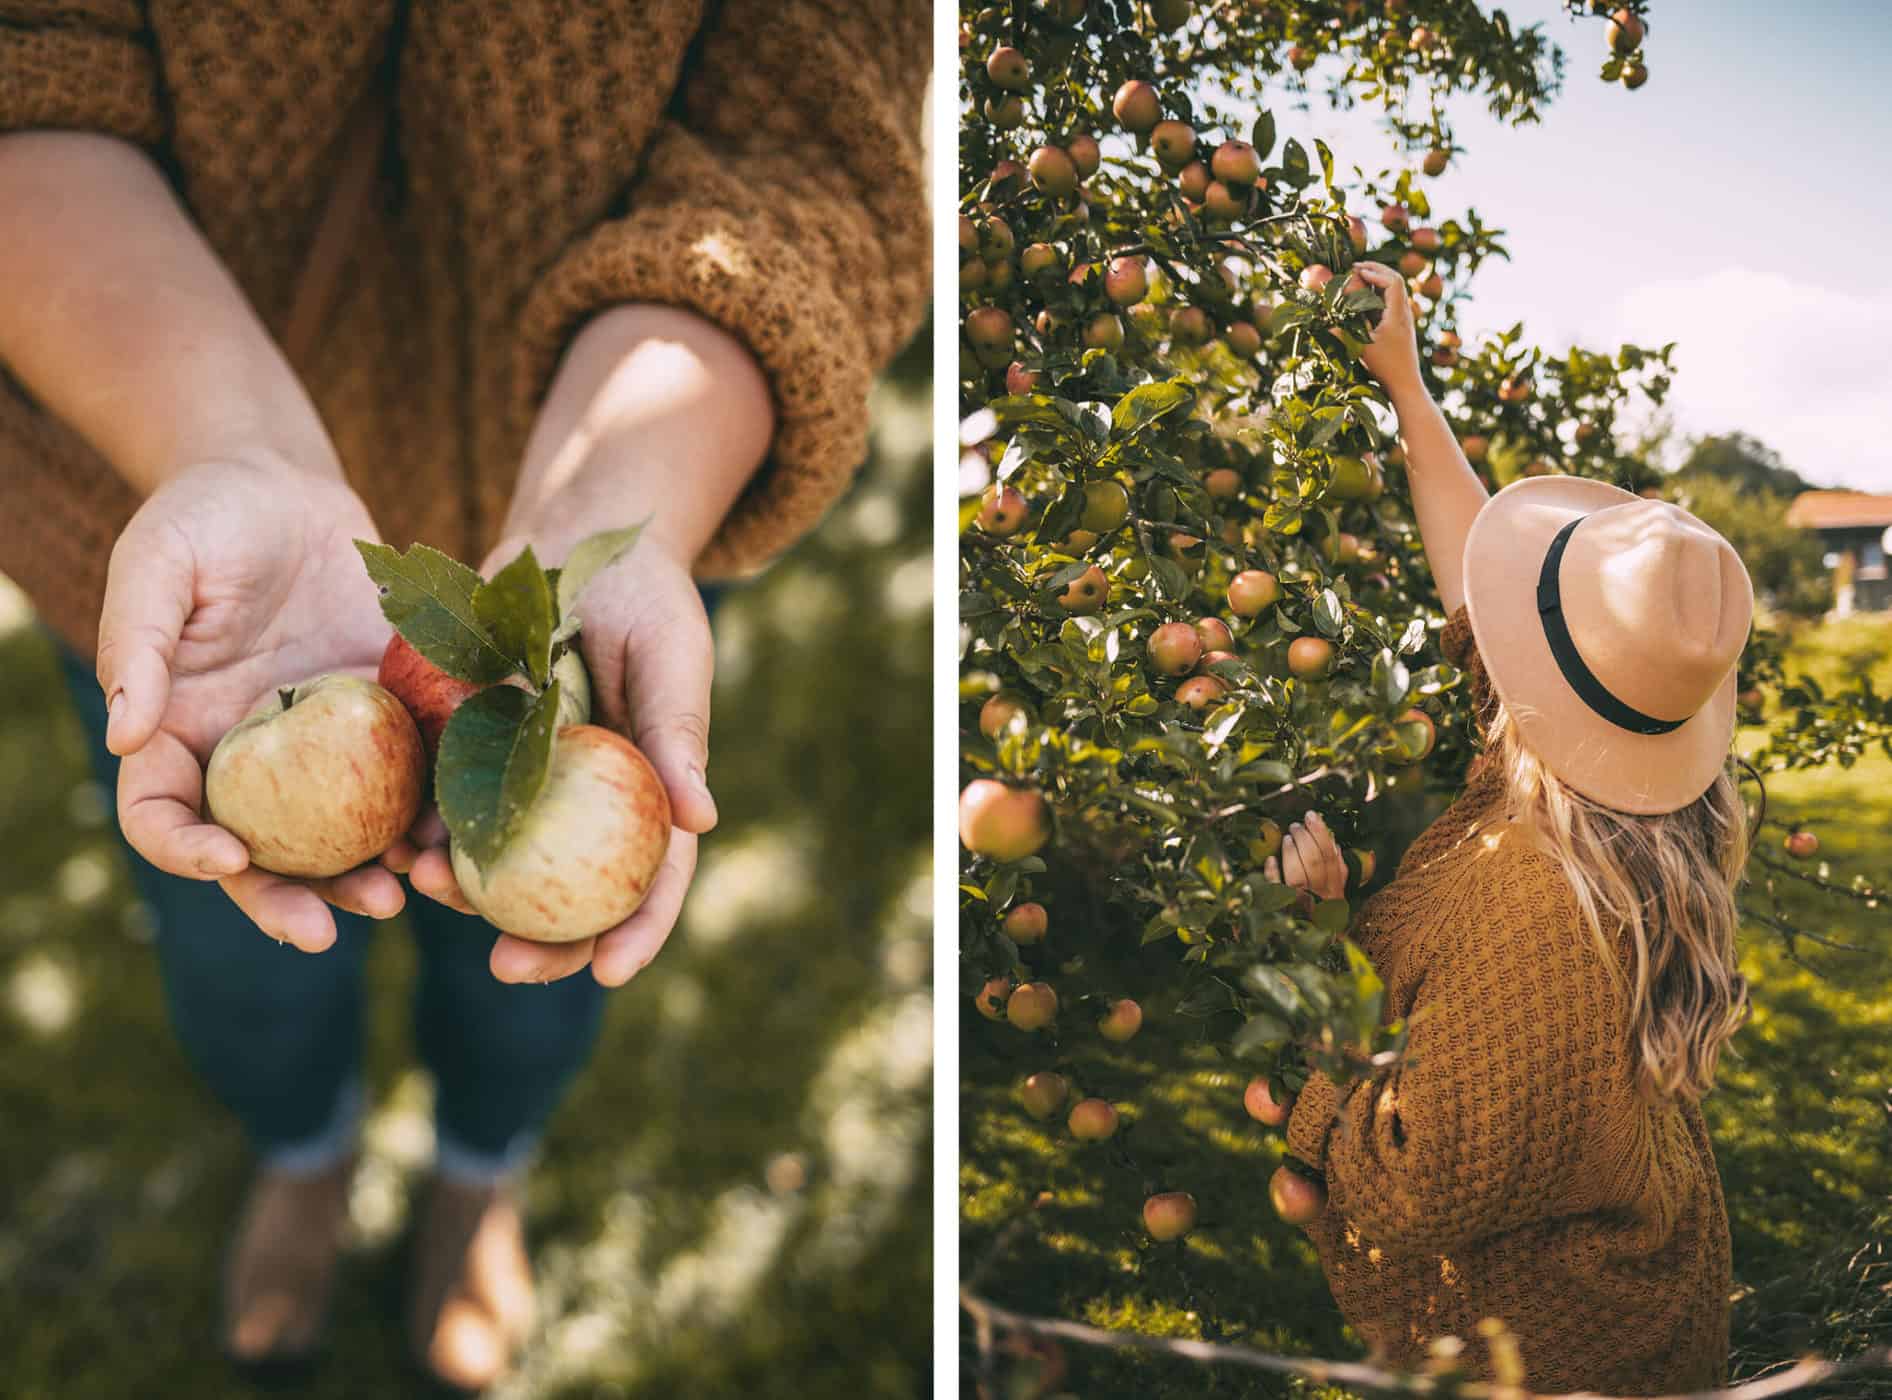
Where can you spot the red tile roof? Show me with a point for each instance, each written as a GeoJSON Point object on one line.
{"type": "Point", "coordinates": [1832, 510]}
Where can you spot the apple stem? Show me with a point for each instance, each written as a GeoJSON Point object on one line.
{"type": "Point", "coordinates": [287, 695]}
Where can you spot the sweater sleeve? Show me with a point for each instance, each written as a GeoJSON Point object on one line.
{"type": "Point", "coordinates": [783, 199]}
{"type": "Point", "coordinates": [1513, 1076]}
{"type": "Point", "coordinates": [78, 65]}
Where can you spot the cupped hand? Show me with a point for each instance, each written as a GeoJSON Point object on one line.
{"type": "Point", "coordinates": [646, 641]}
{"type": "Point", "coordinates": [234, 578]}
{"type": "Point", "coordinates": [1392, 356]}
{"type": "Point", "coordinates": [1310, 859]}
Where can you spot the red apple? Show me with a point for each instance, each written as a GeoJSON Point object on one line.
{"type": "Point", "coordinates": [1296, 1199]}
{"type": "Point", "coordinates": [1310, 657]}
{"type": "Point", "coordinates": [1020, 380]}
{"type": "Point", "coordinates": [1175, 648]}
{"type": "Point", "coordinates": [1103, 332]}
{"type": "Point", "coordinates": [1252, 592]}
{"type": "Point", "coordinates": [1121, 1022]}
{"type": "Point", "coordinates": [1262, 1105]}
{"type": "Point", "coordinates": [997, 714]}
{"type": "Point", "coordinates": [1214, 635]}
{"type": "Point", "coordinates": [1137, 107]}
{"type": "Point", "coordinates": [1190, 325]}
{"type": "Point", "coordinates": [1235, 163]}
{"type": "Point", "coordinates": [1053, 172]}
{"type": "Point", "coordinates": [1002, 511]}
{"type": "Point", "coordinates": [1169, 1215]}
{"type": "Point", "coordinates": [1084, 153]}
{"type": "Point", "coordinates": [991, 998]}
{"type": "Point", "coordinates": [1427, 240]}
{"type": "Point", "coordinates": [1436, 160]}
{"type": "Point", "coordinates": [1174, 144]}
{"type": "Point", "coordinates": [1193, 181]}
{"type": "Point", "coordinates": [431, 695]}
{"type": "Point", "coordinates": [1635, 75]}
{"type": "Point", "coordinates": [1243, 341]}
{"type": "Point", "coordinates": [319, 777]}
{"type": "Point", "coordinates": [1008, 68]}
{"type": "Point", "coordinates": [1085, 593]}
{"type": "Point", "coordinates": [1005, 823]}
{"type": "Point", "coordinates": [1224, 483]}
{"type": "Point", "coordinates": [1032, 1007]}
{"type": "Point", "coordinates": [1802, 845]}
{"type": "Point", "coordinates": [1224, 202]}
{"type": "Point", "coordinates": [1476, 447]}
{"type": "Point", "coordinates": [1200, 692]}
{"type": "Point", "coordinates": [1038, 260]}
{"type": "Point", "coordinates": [1092, 1120]}
{"type": "Point", "coordinates": [1027, 922]}
{"type": "Point", "coordinates": [1316, 276]}
{"type": "Point", "coordinates": [1356, 232]}
{"type": "Point", "coordinates": [1043, 1093]}
{"type": "Point", "coordinates": [1624, 32]}
{"type": "Point", "coordinates": [590, 846]}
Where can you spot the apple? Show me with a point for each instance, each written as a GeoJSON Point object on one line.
{"type": "Point", "coordinates": [1038, 260]}
{"type": "Point", "coordinates": [1252, 592]}
{"type": "Point", "coordinates": [1433, 288]}
{"type": "Point", "coordinates": [997, 714]}
{"type": "Point", "coordinates": [1224, 483]}
{"type": "Point", "coordinates": [1085, 154]}
{"type": "Point", "coordinates": [1624, 32]}
{"type": "Point", "coordinates": [1121, 1022]}
{"type": "Point", "coordinates": [1413, 748]}
{"type": "Point", "coordinates": [1316, 276]}
{"type": "Point", "coordinates": [1802, 845]}
{"type": "Point", "coordinates": [1137, 107]}
{"type": "Point", "coordinates": [1427, 240]}
{"type": "Point", "coordinates": [1103, 332]}
{"type": "Point", "coordinates": [319, 777]}
{"type": "Point", "coordinates": [1174, 144]}
{"type": "Point", "coordinates": [1008, 68]}
{"type": "Point", "coordinates": [1190, 325]}
{"type": "Point", "coordinates": [1005, 823]}
{"type": "Point", "coordinates": [1635, 75]}
{"type": "Point", "coordinates": [1078, 541]}
{"type": "Point", "coordinates": [1412, 262]}
{"type": "Point", "coordinates": [431, 695]}
{"type": "Point", "coordinates": [1267, 841]}
{"type": "Point", "coordinates": [1092, 1120]}
{"type": "Point", "coordinates": [1310, 657]}
{"type": "Point", "coordinates": [1106, 506]}
{"type": "Point", "coordinates": [973, 274]}
{"type": "Point", "coordinates": [1200, 692]}
{"type": "Point", "coordinates": [968, 237]}
{"type": "Point", "coordinates": [989, 333]}
{"type": "Point", "coordinates": [1435, 161]}
{"type": "Point", "coordinates": [1356, 232]}
{"type": "Point", "coordinates": [991, 998]}
{"type": "Point", "coordinates": [1476, 447]}
{"type": "Point", "coordinates": [1296, 1199]}
{"type": "Point", "coordinates": [1175, 648]}
{"type": "Point", "coordinates": [1356, 479]}
{"type": "Point", "coordinates": [1043, 1093]}
{"type": "Point", "coordinates": [1243, 340]}
{"type": "Point", "coordinates": [1169, 1215]}
{"type": "Point", "coordinates": [1006, 113]}
{"type": "Point", "coordinates": [996, 240]}
{"type": "Point", "coordinates": [1224, 202]}
{"type": "Point", "coordinates": [1032, 1007]}
{"type": "Point", "coordinates": [1514, 389]}
{"type": "Point", "coordinates": [1085, 593]}
{"type": "Point", "coordinates": [1053, 172]}
{"type": "Point", "coordinates": [1751, 698]}
{"type": "Point", "coordinates": [1394, 217]}
{"type": "Point", "coordinates": [1263, 1106]}
{"type": "Point", "coordinates": [1193, 181]}
{"type": "Point", "coordinates": [1424, 39]}
{"type": "Point", "coordinates": [1214, 634]}
{"type": "Point", "coordinates": [1126, 282]}
{"type": "Point", "coordinates": [1302, 59]}
{"type": "Point", "coordinates": [1020, 380]}
{"type": "Point", "coordinates": [1027, 922]}
{"type": "Point", "coordinates": [1002, 511]}
{"type": "Point", "coordinates": [1235, 163]}
{"type": "Point", "coordinates": [589, 847]}
{"type": "Point", "coordinates": [1170, 14]}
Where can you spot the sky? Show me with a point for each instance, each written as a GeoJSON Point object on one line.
{"type": "Point", "coordinates": [1738, 204]}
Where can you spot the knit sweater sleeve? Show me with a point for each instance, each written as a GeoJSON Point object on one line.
{"type": "Point", "coordinates": [783, 199]}
{"type": "Point", "coordinates": [78, 65]}
{"type": "Point", "coordinates": [1512, 1084]}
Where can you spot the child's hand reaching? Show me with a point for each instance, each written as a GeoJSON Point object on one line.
{"type": "Point", "coordinates": [1310, 860]}
{"type": "Point", "coordinates": [1393, 355]}
{"type": "Point", "coordinates": [233, 578]}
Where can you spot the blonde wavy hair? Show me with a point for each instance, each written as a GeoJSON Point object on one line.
{"type": "Point", "coordinates": [1669, 882]}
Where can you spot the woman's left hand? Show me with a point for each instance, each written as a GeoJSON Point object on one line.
{"type": "Point", "coordinates": [1310, 859]}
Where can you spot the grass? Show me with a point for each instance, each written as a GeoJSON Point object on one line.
{"type": "Point", "coordinates": [1802, 1125]}
{"type": "Point", "coordinates": [733, 1202]}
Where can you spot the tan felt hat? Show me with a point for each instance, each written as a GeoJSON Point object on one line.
{"type": "Point", "coordinates": [1610, 626]}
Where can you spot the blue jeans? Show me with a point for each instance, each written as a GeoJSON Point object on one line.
{"type": "Point", "coordinates": [276, 1034]}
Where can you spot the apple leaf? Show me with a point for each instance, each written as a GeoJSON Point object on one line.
{"type": "Point", "coordinates": [517, 610]}
{"type": "Point", "coordinates": [428, 596]}
{"type": "Point", "coordinates": [588, 557]}
{"type": "Point", "coordinates": [494, 758]}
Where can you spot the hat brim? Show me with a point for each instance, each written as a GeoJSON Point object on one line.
{"type": "Point", "coordinates": [1643, 774]}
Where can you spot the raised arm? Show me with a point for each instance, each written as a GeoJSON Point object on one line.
{"type": "Point", "coordinates": [1446, 492]}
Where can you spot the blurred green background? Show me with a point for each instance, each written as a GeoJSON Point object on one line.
{"type": "Point", "coordinates": [735, 1199]}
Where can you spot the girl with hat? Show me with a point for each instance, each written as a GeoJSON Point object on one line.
{"type": "Point", "coordinates": [1561, 941]}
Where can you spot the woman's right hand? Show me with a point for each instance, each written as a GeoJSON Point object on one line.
{"type": "Point", "coordinates": [233, 578]}
{"type": "Point", "coordinates": [1392, 357]}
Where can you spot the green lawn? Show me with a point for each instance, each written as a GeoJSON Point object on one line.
{"type": "Point", "coordinates": [788, 1023]}
{"type": "Point", "coordinates": [1802, 1123]}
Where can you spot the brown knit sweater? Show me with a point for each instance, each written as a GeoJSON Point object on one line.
{"type": "Point", "coordinates": [755, 161]}
{"type": "Point", "coordinates": [1509, 1169]}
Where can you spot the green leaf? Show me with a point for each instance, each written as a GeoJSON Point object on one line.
{"type": "Point", "coordinates": [588, 557]}
{"type": "Point", "coordinates": [1332, 915]}
{"type": "Point", "coordinates": [1261, 1032]}
{"type": "Point", "coordinates": [1148, 403]}
{"type": "Point", "coordinates": [516, 608]}
{"type": "Point", "coordinates": [494, 758]}
{"type": "Point", "coordinates": [428, 596]}
{"type": "Point", "coordinates": [1294, 166]}
{"type": "Point", "coordinates": [1262, 137]}
{"type": "Point", "coordinates": [1327, 614]}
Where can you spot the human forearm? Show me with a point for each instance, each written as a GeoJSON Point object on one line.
{"type": "Point", "coordinates": [120, 319]}
{"type": "Point", "coordinates": [1446, 493]}
{"type": "Point", "coordinates": [655, 414]}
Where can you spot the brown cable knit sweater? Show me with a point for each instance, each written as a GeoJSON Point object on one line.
{"type": "Point", "coordinates": [755, 161]}
{"type": "Point", "coordinates": [1509, 1168]}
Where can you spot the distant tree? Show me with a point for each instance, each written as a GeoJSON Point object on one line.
{"type": "Point", "coordinates": [1742, 461]}
{"type": "Point", "coordinates": [1784, 562]}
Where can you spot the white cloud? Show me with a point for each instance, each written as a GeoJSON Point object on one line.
{"type": "Point", "coordinates": [1806, 369]}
